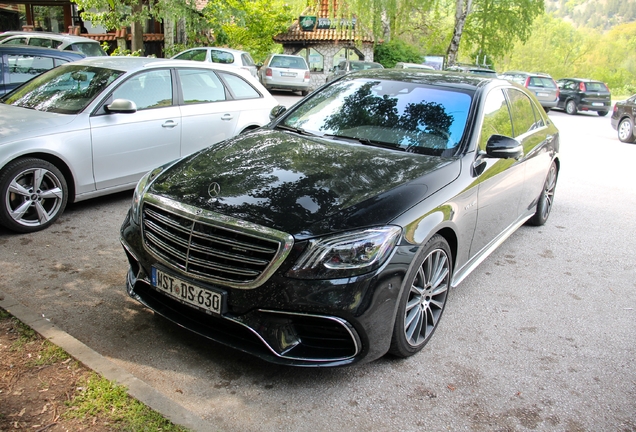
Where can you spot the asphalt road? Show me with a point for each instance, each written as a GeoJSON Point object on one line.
{"type": "Point", "coordinates": [540, 337]}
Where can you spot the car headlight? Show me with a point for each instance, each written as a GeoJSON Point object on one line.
{"type": "Point", "coordinates": [140, 189]}
{"type": "Point", "coordinates": [346, 254]}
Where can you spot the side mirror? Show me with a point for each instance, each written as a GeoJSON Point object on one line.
{"type": "Point", "coordinates": [121, 106]}
{"type": "Point", "coordinates": [276, 111]}
{"type": "Point", "coordinates": [503, 147]}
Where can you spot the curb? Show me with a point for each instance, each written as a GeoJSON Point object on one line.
{"type": "Point", "coordinates": [138, 389]}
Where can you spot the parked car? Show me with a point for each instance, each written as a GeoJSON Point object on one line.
{"type": "Point", "coordinates": [623, 119]}
{"type": "Point", "coordinates": [346, 66]}
{"type": "Point", "coordinates": [95, 126]}
{"type": "Point", "coordinates": [86, 46]}
{"type": "Point", "coordinates": [402, 65]}
{"type": "Point", "coordinates": [578, 94]}
{"type": "Point", "coordinates": [232, 57]}
{"type": "Point", "coordinates": [285, 72]}
{"type": "Point", "coordinates": [472, 69]}
{"type": "Point", "coordinates": [541, 84]}
{"type": "Point", "coordinates": [19, 64]}
{"type": "Point", "coordinates": [337, 234]}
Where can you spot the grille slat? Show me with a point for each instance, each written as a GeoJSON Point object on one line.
{"type": "Point", "coordinates": [212, 251]}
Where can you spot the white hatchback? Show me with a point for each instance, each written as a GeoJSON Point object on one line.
{"type": "Point", "coordinates": [64, 42]}
{"type": "Point", "coordinates": [96, 126]}
{"type": "Point", "coordinates": [227, 56]}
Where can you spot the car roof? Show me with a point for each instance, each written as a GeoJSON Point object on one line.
{"type": "Point", "coordinates": [538, 74]}
{"type": "Point", "coordinates": [33, 50]}
{"type": "Point", "coordinates": [131, 64]}
{"type": "Point", "coordinates": [49, 35]}
{"type": "Point", "coordinates": [230, 50]}
{"type": "Point", "coordinates": [582, 80]}
{"type": "Point", "coordinates": [451, 79]}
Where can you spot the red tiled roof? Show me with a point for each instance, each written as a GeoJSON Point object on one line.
{"type": "Point", "coordinates": [296, 34]}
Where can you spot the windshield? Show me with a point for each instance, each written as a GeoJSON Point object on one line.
{"type": "Point", "coordinates": [67, 89]}
{"type": "Point", "coordinates": [89, 49]}
{"type": "Point", "coordinates": [402, 115]}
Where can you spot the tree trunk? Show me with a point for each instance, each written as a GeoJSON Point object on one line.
{"type": "Point", "coordinates": [168, 37]}
{"type": "Point", "coordinates": [462, 9]}
{"type": "Point", "coordinates": [137, 30]}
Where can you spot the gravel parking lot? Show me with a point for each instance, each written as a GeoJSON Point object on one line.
{"type": "Point", "coordinates": [540, 337]}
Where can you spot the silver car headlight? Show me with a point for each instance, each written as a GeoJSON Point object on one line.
{"type": "Point", "coordinates": [140, 189]}
{"type": "Point", "coordinates": [346, 254]}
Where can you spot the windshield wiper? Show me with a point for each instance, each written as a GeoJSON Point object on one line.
{"type": "Point", "coordinates": [367, 141]}
{"type": "Point", "coordinates": [298, 130]}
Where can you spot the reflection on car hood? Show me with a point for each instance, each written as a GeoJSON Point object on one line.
{"type": "Point", "coordinates": [303, 186]}
{"type": "Point", "coordinates": [18, 123]}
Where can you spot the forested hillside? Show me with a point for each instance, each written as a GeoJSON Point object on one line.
{"type": "Point", "coordinates": [597, 14]}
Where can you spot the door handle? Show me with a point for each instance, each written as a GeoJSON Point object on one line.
{"type": "Point", "coordinates": [227, 117]}
{"type": "Point", "coordinates": [169, 124]}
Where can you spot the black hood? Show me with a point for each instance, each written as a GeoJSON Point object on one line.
{"type": "Point", "coordinates": [302, 185]}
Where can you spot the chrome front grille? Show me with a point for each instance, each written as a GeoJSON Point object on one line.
{"type": "Point", "coordinates": [212, 247]}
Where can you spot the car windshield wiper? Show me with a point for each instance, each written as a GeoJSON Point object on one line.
{"type": "Point", "coordinates": [298, 130]}
{"type": "Point", "coordinates": [367, 141]}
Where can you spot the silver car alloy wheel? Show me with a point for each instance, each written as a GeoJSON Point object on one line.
{"type": "Point", "coordinates": [34, 197]}
{"type": "Point", "coordinates": [427, 297]}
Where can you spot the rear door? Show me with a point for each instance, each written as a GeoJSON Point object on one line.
{"type": "Point", "coordinates": [208, 113]}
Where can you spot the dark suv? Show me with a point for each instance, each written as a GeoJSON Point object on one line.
{"type": "Point", "coordinates": [578, 94]}
{"type": "Point", "coordinates": [541, 84]}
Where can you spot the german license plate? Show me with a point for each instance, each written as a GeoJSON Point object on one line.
{"type": "Point", "coordinates": [187, 293]}
{"type": "Point", "coordinates": [288, 74]}
{"type": "Point", "coordinates": [597, 103]}
{"type": "Point", "coordinates": [542, 94]}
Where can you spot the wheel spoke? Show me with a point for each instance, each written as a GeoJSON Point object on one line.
{"type": "Point", "coordinates": [38, 176]}
{"type": "Point", "coordinates": [17, 188]}
{"type": "Point", "coordinates": [55, 193]}
{"type": "Point", "coordinates": [19, 212]}
{"type": "Point", "coordinates": [43, 215]}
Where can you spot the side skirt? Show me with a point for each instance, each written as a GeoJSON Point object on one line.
{"type": "Point", "coordinates": [460, 274]}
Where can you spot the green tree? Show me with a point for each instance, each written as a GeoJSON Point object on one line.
{"type": "Point", "coordinates": [114, 14]}
{"type": "Point", "coordinates": [493, 26]}
{"type": "Point", "coordinates": [249, 25]}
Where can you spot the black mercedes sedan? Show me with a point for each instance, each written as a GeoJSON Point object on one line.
{"type": "Point", "coordinates": [334, 234]}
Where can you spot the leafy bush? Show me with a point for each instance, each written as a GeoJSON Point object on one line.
{"type": "Point", "coordinates": [388, 54]}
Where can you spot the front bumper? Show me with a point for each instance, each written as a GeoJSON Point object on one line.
{"type": "Point", "coordinates": [285, 321]}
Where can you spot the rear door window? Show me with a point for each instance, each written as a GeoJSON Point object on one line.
{"type": "Point", "coordinates": [200, 86]}
{"type": "Point", "coordinates": [239, 88]}
{"type": "Point", "coordinates": [222, 57]}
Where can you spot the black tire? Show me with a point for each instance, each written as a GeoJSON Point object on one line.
{"type": "Point", "coordinates": [546, 109]}
{"type": "Point", "coordinates": [423, 298]}
{"type": "Point", "coordinates": [304, 92]}
{"type": "Point", "coordinates": [27, 207]}
{"type": "Point", "coordinates": [626, 130]}
{"type": "Point", "coordinates": [570, 107]}
{"type": "Point", "coordinates": [546, 199]}
{"type": "Point", "coordinates": [602, 113]}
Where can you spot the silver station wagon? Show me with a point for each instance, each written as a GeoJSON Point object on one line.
{"type": "Point", "coordinates": [96, 126]}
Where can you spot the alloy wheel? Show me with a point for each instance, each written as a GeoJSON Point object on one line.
{"type": "Point", "coordinates": [427, 297]}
